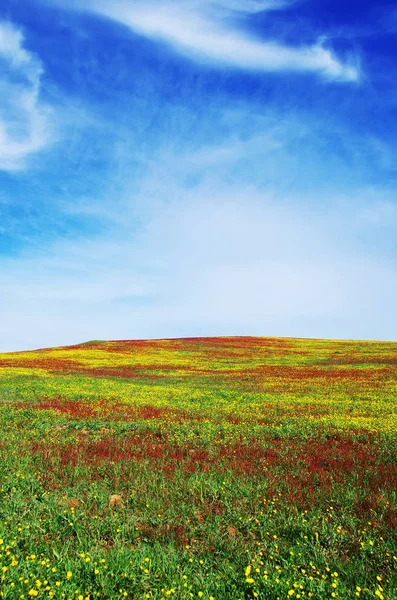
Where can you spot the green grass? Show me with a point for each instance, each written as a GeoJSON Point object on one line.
{"type": "Point", "coordinates": [234, 480]}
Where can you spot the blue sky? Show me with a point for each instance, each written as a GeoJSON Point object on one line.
{"type": "Point", "coordinates": [197, 167]}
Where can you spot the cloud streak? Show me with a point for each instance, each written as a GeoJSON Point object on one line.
{"type": "Point", "coordinates": [24, 119]}
{"type": "Point", "coordinates": [213, 31]}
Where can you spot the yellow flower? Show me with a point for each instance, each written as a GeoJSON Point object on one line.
{"type": "Point", "coordinates": [248, 570]}
{"type": "Point", "coordinates": [33, 593]}
{"type": "Point", "coordinates": [69, 574]}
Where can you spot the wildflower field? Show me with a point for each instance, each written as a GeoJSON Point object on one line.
{"type": "Point", "coordinates": [214, 468]}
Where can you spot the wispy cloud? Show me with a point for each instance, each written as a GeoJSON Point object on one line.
{"type": "Point", "coordinates": [214, 31]}
{"type": "Point", "coordinates": [217, 259]}
{"type": "Point", "coordinates": [24, 119]}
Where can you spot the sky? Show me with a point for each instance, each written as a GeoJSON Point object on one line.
{"type": "Point", "coordinates": [176, 168]}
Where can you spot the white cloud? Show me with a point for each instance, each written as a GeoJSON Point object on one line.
{"type": "Point", "coordinates": [236, 262]}
{"type": "Point", "coordinates": [251, 6]}
{"type": "Point", "coordinates": [24, 120]}
{"type": "Point", "coordinates": [209, 31]}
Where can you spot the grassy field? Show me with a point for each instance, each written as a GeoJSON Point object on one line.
{"type": "Point", "coordinates": [214, 468]}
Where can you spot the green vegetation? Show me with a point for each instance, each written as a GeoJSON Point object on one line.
{"type": "Point", "coordinates": [219, 468]}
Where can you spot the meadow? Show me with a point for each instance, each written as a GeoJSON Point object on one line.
{"type": "Point", "coordinates": [214, 468]}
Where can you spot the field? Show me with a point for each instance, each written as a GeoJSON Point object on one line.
{"type": "Point", "coordinates": [214, 468]}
